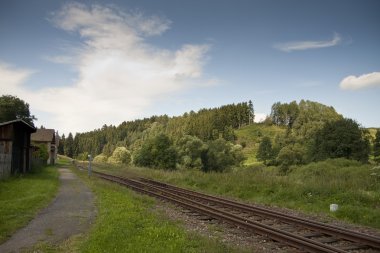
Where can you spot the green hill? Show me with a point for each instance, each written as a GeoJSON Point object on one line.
{"type": "Point", "coordinates": [250, 137]}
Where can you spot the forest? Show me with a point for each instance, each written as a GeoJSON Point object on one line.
{"type": "Point", "coordinates": [206, 140]}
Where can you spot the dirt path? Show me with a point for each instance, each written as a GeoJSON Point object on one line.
{"type": "Point", "coordinates": [70, 213]}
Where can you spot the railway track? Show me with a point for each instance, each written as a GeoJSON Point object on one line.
{"type": "Point", "coordinates": [303, 234]}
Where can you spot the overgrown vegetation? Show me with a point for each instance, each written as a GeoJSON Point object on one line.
{"type": "Point", "coordinates": [22, 196]}
{"type": "Point", "coordinates": [127, 222]}
{"type": "Point", "coordinates": [160, 142]}
{"type": "Point", "coordinates": [216, 139]}
{"type": "Point", "coordinates": [354, 186]}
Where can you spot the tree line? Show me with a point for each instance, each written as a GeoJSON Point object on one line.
{"type": "Point", "coordinates": [203, 139]}
{"type": "Point", "coordinates": [206, 139]}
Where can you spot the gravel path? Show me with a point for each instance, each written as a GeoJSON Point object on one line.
{"type": "Point", "coordinates": [70, 213]}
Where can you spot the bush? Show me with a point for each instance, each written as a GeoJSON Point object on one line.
{"type": "Point", "coordinates": [82, 156]}
{"type": "Point", "coordinates": [100, 158]}
{"type": "Point", "coordinates": [42, 152]}
{"type": "Point", "coordinates": [120, 155]}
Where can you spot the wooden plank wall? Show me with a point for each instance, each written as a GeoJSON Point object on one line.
{"type": "Point", "coordinates": [5, 158]}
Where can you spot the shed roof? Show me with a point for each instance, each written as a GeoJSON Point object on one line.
{"type": "Point", "coordinates": [18, 121]}
{"type": "Point", "coordinates": [44, 135]}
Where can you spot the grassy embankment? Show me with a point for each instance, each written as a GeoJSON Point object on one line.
{"type": "Point", "coordinates": [252, 135]}
{"type": "Point", "coordinates": [309, 188]}
{"type": "Point", "coordinates": [22, 196]}
{"type": "Point", "coordinates": [128, 222]}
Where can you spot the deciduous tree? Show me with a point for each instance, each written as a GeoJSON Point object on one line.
{"type": "Point", "coordinates": [12, 108]}
{"type": "Point", "coordinates": [341, 138]}
{"type": "Point", "coordinates": [265, 151]}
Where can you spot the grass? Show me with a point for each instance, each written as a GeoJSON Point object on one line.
{"type": "Point", "coordinates": [355, 187]}
{"type": "Point", "coordinates": [22, 196]}
{"type": "Point", "coordinates": [251, 135]}
{"type": "Point", "coordinates": [128, 222]}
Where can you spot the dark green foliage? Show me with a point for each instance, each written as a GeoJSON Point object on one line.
{"type": "Point", "coordinates": [376, 147]}
{"type": "Point", "coordinates": [220, 155]}
{"type": "Point", "coordinates": [61, 147]}
{"type": "Point", "coordinates": [12, 108]}
{"type": "Point", "coordinates": [291, 155]}
{"type": "Point", "coordinates": [303, 122]}
{"type": "Point", "coordinates": [158, 153]}
{"type": "Point", "coordinates": [265, 151]}
{"type": "Point", "coordinates": [342, 138]}
{"type": "Point", "coordinates": [206, 124]}
{"type": "Point", "coordinates": [190, 149]}
{"type": "Point", "coordinates": [69, 146]}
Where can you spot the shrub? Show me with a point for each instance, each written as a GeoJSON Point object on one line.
{"type": "Point", "coordinates": [42, 152]}
{"type": "Point", "coordinates": [120, 155]}
{"type": "Point", "coordinates": [100, 158]}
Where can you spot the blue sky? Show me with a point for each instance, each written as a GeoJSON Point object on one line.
{"type": "Point", "coordinates": [84, 64]}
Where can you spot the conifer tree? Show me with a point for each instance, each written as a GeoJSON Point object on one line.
{"type": "Point", "coordinates": [69, 146]}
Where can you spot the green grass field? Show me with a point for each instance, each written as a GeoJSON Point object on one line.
{"type": "Point", "coordinates": [22, 196]}
{"type": "Point", "coordinates": [355, 187]}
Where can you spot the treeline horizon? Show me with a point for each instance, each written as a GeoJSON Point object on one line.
{"type": "Point", "coordinates": [211, 128]}
{"type": "Point", "coordinates": [201, 139]}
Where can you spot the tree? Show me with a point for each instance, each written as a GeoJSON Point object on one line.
{"type": "Point", "coordinates": [376, 147]}
{"type": "Point", "coordinates": [220, 155]}
{"type": "Point", "coordinates": [157, 152]}
{"type": "Point", "coordinates": [69, 146]}
{"type": "Point", "coordinates": [61, 147]}
{"type": "Point", "coordinates": [265, 151]}
{"type": "Point", "coordinates": [251, 113]}
{"type": "Point", "coordinates": [12, 108]}
{"type": "Point", "coordinates": [190, 149]}
{"type": "Point", "coordinates": [291, 155]}
{"type": "Point", "coordinates": [341, 138]}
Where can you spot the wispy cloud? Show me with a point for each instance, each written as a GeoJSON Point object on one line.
{"type": "Point", "coordinates": [11, 78]}
{"type": "Point", "coordinates": [119, 73]}
{"type": "Point", "coordinates": [306, 45]}
{"type": "Point", "coordinates": [360, 82]}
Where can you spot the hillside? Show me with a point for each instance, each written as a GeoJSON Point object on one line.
{"type": "Point", "coordinates": [296, 133]}
{"type": "Point", "coordinates": [250, 137]}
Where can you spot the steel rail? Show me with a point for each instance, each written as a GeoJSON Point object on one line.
{"type": "Point", "coordinates": [343, 233]}
{"type": "Point", "coordinates": [275, 234]}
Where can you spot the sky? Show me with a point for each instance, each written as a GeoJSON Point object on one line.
{"type": "Point", "coordinates": [84, 64]}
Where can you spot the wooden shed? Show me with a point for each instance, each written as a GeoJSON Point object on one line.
{"type": "Point", "coordinates": [49, 138]}
{"type": "Point", "coordinates": [15, 150]}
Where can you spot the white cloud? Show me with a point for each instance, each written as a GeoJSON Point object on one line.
{"type": "Point", "coordinates": [305, 45]}
{"type": "Point", "coordinates": [119, 73]}
{"type": "Point", "coordinates": [260, 117]}
{"type": "Point", "coordinates": [360, 82]}
{"type": "Point", "coordinates": [11, 78]}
